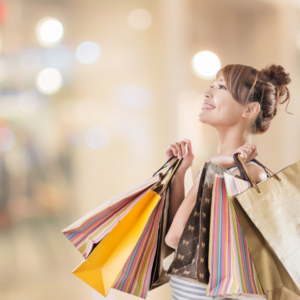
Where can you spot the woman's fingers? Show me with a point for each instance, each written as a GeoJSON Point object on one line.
{"type": "Point", "coordinates": [253, 151]}
{"type": "Point", "coordinates": [248, 151]}
{"type": "Point", "coordinates": [180, 149]}
{"type": "Point", "coordinates": [183, 148]}
{"type": "Point", "coordinates": [186, 146]}
{"type": "Point", "coordinates": [190, 149]}
{"type": "Point", "coordinates": [243, 153]}
{"type": "Point", "coordinates": [172, 150]}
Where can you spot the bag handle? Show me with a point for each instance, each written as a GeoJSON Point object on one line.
{"type": "Point", "coordinates": [175, 166]}
{"type": "Point", "coordinates": [165, 165]}
{"type": "Point", "coordinates": [246, 174]}
{"type": "Point", "coordinates": [178, 162]}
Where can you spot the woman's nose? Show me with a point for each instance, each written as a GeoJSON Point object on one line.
{"type": "Point", "coordinates": [207, 94]}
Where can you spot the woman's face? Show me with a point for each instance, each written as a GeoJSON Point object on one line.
{"type": "Point", "coordinates": [219, 107]}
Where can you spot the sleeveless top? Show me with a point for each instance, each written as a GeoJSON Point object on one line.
{"type": "Point", "coordinates": [185, 290]}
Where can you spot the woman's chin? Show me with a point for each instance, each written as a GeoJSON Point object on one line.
{"type": "Point", "coordinates": [202, 118]}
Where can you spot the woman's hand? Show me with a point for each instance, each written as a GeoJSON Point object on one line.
{"type": "Point", "coordinates": [179, 150]}
{"type": "Point", "coordinates": [248, 151]}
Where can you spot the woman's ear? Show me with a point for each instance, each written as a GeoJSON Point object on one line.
{"type": "Point", "coordinates": [252, 109]}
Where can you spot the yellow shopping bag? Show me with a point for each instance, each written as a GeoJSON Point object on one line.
{"type": "Point", "coordinates": [104, 264]}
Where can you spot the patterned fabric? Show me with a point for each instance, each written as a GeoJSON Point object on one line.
{"type": "Point", "coordinates": [188, 289]}
{"type": "Point", "coordinates": [205, 209]}
{"type": "Point", "coordinates": [186, 253]}
{"type": "Point", "coordinates": [232, 269]}
{"type": "Point", "coordinates": [184, 290]}
{"type": "Point", "coordinates": [191, 256]}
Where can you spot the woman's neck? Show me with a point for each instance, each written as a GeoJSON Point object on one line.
{"type": "Point", "coordinates": [230, 139]}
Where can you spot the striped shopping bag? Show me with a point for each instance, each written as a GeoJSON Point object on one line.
{"type": "Point", "coordinates": [89, 230]}
{"type": "Point", "coordinates": [135, 276]}
{"type": "Point", "coordinates": [232, 272]}
{"type": "Point", "coordinates": [119, 239]}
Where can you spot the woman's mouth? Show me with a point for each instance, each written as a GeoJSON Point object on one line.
{"type": "Point", "coordinates": [207, 106]}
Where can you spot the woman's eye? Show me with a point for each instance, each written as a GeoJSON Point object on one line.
{"type": "Point", "coordinates": [222, 86]}
{"type": "Point", "coordinates": [211, 86]}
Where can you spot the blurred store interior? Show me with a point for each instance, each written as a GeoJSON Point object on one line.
{"type": "Point", "coordinates": [91, 94]}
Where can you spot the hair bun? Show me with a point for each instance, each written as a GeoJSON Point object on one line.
{"type": "Point", "coordinates": [278, 77]}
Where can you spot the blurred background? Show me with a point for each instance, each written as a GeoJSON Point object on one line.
{"type": "Point", "coordinates": [91, 94]}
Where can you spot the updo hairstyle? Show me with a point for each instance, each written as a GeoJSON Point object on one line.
{"type": "Point", "coordinates": [266, 87]}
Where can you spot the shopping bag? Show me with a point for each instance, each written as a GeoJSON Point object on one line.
{"type": "Point", "coordinates": [89, 230]}
{"type": "Point", "coordinates": [92, 228]}
{"type": "Point", "coordinates": [164, 253]}
{"type": "Point", "coordinates": [158, 275]}
{"type": "Point", "coordinates": [135, 277]}
{"type": "Point", "coordinates": [123, 259]}
{"type": "Point", "coordinates": [269, 215]}
{"type": "Point", "coordinates": [232, 272]}
{"type": "Point", "coordinates": [190, 260]}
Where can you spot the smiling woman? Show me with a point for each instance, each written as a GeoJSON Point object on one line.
{"type": "Point", "coordinates": [241, 102]}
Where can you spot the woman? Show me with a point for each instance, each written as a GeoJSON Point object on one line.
{"type": "Point", "coordinates": [242, 102]}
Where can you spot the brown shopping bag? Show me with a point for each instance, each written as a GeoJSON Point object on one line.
{"type": "Point", "coordinates": [164, 253]}
{"type": "Point", "coordinates": [191, 256]}
{"type": "Point", "coordinates": [158, 276]}
{"type": "Point", "coordinates": [269, 215]}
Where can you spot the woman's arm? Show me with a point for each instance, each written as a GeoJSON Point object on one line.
{"type": "Point", "coordinates": [182, 150]}
{"type": "Point", "coordinates": [176, 196]}
{"type": "Point", "coordinates": [181, 216]}
{"type": "Point", "coordinates": [180, 208]}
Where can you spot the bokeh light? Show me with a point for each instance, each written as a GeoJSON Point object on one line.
{"type": "Point", "coordinates": [97, 137]}
{"type": "Point", "coordinates": [49, 31]}
{"type": "Point", "coordinates": [7, 139]}
{"type": "Point", "coordinates": [29, 102]}
{"type": "Point", "coordinates": [49, 81]}
{"type": "Point", "coordinates": [206, 64]}
{"type": "Point", "coordinates": [140, 19]}
{"type": "Point", "coordinates": [59, 57]}
{"type": "Point", "coordinates": [88, 52]}
{"type": "Point", "coordinates": [132, 96]}
{"type": "Point", "coordinates": [30, 60]}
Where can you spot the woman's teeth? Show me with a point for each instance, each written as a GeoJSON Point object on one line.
{"type": "Point", "coordinates": [207, 106]}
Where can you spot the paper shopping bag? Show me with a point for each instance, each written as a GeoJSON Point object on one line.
{"type": "Point", "coordinates": [89, 230]}
{"type": "Point", "coordinates": [136, 275]}
{"type": "Point", "coordinates": [191, 256]}
{"type": "Point", "coordinates": [158, 275]}
{"type": "Point", "coordinates": [232, 272]}
{"type": "Point", "coordinates": [269, 215]}
{"type": "Point", "coordinates": [164, 253]}
{"type": "Point", "coordinates": [124, 257]}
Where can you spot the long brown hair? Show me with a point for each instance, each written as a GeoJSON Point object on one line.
{"type": "Point", "coordinates": [246, 84]}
